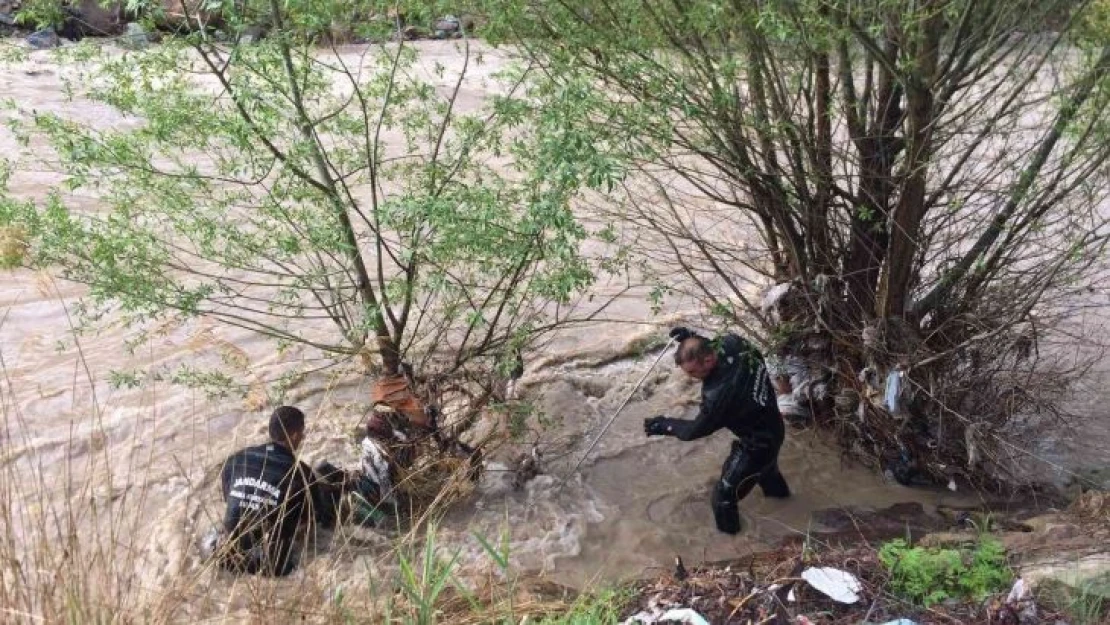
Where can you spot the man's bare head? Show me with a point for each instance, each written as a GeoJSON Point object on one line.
{"type": "Point", "coordinates": [287, 427]}
{"type": "Point", "coordinates": [696, 356]}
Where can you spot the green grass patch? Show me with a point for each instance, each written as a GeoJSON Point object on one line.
{"type": "Point", "coordinates": [927, 576]}
{"type": "Point", "coordinates": [600, 608]}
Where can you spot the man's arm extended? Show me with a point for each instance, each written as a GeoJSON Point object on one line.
{"type": "Point", "coordinates": [316, 496]}
{"type": "Point", "coordinates": [686, 429]}
{"type": "Point", "coordinates": [710, 419]}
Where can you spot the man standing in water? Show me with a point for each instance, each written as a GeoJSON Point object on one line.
{"type": "Point", "coordinates": [736, 394]}
{"type": "Point", "coordinates": [268, 493]}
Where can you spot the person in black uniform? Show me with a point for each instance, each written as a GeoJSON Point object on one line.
{"type": "Point", "coordinates": [268, 494]}
{"type": "Point", "coordinates": [736, 394]}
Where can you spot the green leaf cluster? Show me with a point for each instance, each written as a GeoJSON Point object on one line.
{"type": "Point", "coordinates": [41, 13]}
{"type": "Point", "coordinates": [928, 576]}
{"type": "Point", "coordinates": [280, 186]}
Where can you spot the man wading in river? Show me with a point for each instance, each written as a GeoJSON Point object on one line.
{"type": "Point", "coordinates": [268, 493]}
{"type": "Point", "coordinates": [736, 394]}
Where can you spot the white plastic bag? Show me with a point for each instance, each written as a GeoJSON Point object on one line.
{"type": "Point", "coordinates": [840, 586]}
{"type": "Point", "coordinates": [679, 615]}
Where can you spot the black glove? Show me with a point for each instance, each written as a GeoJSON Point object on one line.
{"type": "Point", "coordinates": [656, 426]}
{"type": "Point", "coordinates": [681, 333]}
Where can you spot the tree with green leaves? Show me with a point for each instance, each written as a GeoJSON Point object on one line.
{"type": "Point", "coordinates": [352, 202]}
{"type": "Point", "coordinates": [922, 180]}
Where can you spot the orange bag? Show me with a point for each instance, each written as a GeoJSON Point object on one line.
{"type": "Point", "coordinates": [393, 391]}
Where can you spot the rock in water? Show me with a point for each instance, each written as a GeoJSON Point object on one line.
{"type": "Point", "coordinates": [189, 15]}
{"type": "Point", "coordinates": [526, 468]}
{"type": "Point", "coordinates": [447, 27]}
{"type": "Point", "coordinates": [90, 18]}
{"type": "Point", "coordinates": [135, 37]}
{"type": "Point", "coordinates": [410, 33]}
{"type": "Point", "coordinates": [8, 9]}
{"type": "Point", "coordinates": [251, 35]}
{"type": "Point", "coordinates": [44, 39]}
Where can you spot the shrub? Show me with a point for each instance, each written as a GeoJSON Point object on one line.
{"type": "Point", "coordinates": [930, 575]}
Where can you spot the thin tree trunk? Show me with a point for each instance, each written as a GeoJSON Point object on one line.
{"type": "Point", "coordinates": [878, 147]}
{"type": "Point", "coordinates": [767, 196]}
{"type": "Point", "coordinates": [391, 358]}
{"type": "Point", "coordinates": [894, 287]}
{"type": "Point", "coordinates": [1068, 111]}
{"type": "Point", "coordinates": [817, 226]}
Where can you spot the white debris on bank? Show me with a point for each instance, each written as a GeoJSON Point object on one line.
{"type": "Point", "coordinates": [840, 586]}
{"type": "Point", "coordinates": [674, 615]}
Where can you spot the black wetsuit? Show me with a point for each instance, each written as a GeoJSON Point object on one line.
{"type": "Point", "coordinates": [737, 395]}
{"type": "Point", "coordinates": [268, 493]}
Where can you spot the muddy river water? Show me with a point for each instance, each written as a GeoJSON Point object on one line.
{"type": "Point", "coordinates": [149, 451]}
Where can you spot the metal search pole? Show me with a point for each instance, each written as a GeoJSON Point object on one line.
{"type": "Point", "coordinates": [615, 414]}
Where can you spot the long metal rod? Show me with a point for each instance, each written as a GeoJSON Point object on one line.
{"type": "Point", "coordinates": [625, 403]}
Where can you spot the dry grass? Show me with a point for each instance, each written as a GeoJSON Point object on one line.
{"type": "Point", "coordinates": [436, 482]}
{"type": "Point", "coordinates": [1093, 506]}
{"type": "Point", "coordinates": [87, 536]}
{"type": "Point", "coordinates": [92, 558]}
{"type": "Point", "coordinates": [13, 245]}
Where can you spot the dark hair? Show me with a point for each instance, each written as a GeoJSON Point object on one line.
{"type": "Point", "coordinates": [693, 348]}
{"type": "Point", "coordinates": [380, 425]}
{"type": "Point", "coordinates": [285, 422]}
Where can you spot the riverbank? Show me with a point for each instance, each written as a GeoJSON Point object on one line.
{"type": "Point", "coordinates": [1051, 568]}
{"type": "Point", "coordinates": [115, 23]}
{"type": "Point", "coordinates": [1062, 560]}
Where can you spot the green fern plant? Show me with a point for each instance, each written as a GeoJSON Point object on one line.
{"type": "Point", "coordinates": [928, 576]}
{"type": "Point", "coordinates": [41, 14]}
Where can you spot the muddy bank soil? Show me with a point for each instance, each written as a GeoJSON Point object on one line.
{"type": "Point", "coordinates": [767, 588]}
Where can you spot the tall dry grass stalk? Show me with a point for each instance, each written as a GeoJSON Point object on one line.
{"type": "Point", "coordinates": [79, 544]}
{"type": "Point", "coordinates": [86, 536]}
{"type": "Point", "coordinates": [13, 245]}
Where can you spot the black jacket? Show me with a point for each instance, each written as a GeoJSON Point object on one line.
{"type": "Point", "coordinates": [736, 395]}
{"type": "Point", "coordinates": [268, 492]}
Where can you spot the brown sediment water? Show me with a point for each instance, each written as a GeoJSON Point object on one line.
{"type": "Point", "coordinates": [151, 451]}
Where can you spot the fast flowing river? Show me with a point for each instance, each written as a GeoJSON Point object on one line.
{"type": "Point", "coordinates": [148, 454]}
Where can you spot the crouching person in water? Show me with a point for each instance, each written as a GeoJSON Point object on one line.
{"type": "Point", "coordinates": [369, 494]}
{"type": "Point", "coordinates": [269, 493]}
{"type": "Point", "coordinates": [736, 394]}
{"type": "Point", "coordinates": [385, 448]}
